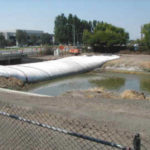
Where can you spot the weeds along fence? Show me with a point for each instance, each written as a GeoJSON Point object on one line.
{"type": "Point", "coordinates": [26, 128]}
{"type": "Point", "coordinates": [39, 51]}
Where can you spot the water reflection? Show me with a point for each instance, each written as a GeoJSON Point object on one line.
{"type": "Point", "coordinates": [117, 82]}
{"type": "Point", "coordinates": [145, 84]}
{"type": "Point", "coordinates": [111, 83]}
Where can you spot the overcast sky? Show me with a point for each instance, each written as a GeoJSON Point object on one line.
{"type": "Point", "coordinates": [40, 14]}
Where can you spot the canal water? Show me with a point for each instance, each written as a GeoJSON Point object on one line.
{"type": "Point", "coordinates": [117, 82]}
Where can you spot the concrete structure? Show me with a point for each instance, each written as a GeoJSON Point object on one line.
{"type": "Point", "coordinates": [11, 34]}
{"type": "Point", "coordinates": [8, 34]}
{"type": "Point", "coordinates": [8, 57]}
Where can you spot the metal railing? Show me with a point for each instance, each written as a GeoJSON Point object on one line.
{"type": "Point", "coordinates": [21, 52]}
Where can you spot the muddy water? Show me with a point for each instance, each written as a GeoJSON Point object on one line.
{"type": "Point", "coordinates": [117, 82]}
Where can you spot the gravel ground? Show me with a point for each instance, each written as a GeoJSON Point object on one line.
{"type": "Point", "coordinates": [131, 115]}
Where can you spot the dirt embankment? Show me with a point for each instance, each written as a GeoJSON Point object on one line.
{"type": "Point", "coordinates": [102, 93]}
{"type": "Point", "coordinates": [11, 83]}
{"type": "Point", "coordinates": [129, 64]}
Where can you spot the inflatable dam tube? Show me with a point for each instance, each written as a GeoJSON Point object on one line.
{"type": "Point", "coordinates": [41, 71]}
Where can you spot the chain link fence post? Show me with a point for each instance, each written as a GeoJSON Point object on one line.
{"type": "Point", "coordinates": [137, 142]}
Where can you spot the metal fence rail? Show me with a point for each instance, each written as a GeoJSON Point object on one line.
{"type": "Point", "coordinates": [111, 144]}
{"type": "Point", "coordinates": [45, 131]}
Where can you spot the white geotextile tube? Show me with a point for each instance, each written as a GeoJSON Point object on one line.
{"type": "Point", "coordinates": [40, 71]}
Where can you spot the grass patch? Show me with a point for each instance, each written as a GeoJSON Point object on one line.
{"type": "Point", "coordinates": [109, 83]}
{"type": "Point", "coordinates": [145, 85]}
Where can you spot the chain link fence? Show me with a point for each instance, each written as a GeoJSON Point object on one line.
{"type": "Point", "coordinates": [26, 128]}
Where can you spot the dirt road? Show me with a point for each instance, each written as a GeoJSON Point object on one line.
{"type": "Point", "coordinates": [129, 63]}
{"type": "Point", "coordinates": [130, 115]}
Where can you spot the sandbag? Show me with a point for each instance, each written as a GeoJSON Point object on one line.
{"type": "Point", "coordinates": [40, 71]}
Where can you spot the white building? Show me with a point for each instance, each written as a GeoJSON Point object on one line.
{"type": "Point", "coordinates": [11, 34]}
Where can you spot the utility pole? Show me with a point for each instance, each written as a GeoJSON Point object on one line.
{"type": "Point", "coordinates": [74, 34]}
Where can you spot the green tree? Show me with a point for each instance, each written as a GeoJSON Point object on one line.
{"type": "Point", "coordinates": [106, 37]}
{"type": "Point", "coordinates": [66, 26]}
{"type": "Point", "coordinates": [86, 37]}
{"type": "Point", "coordinates": [46, 39]}
{"type": "Point", "coordinates": [33, 40]}
{"type": "Point", "coordinates": [61, 29]}
{"type": "Point", "coordinates": [2, 41]}
{"type": "Point", "coordinates": [70, 22]}
{"type": "Point", "coordinates": [21, 38]}
{"type": "Point", "coordinates": [146, 33]}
